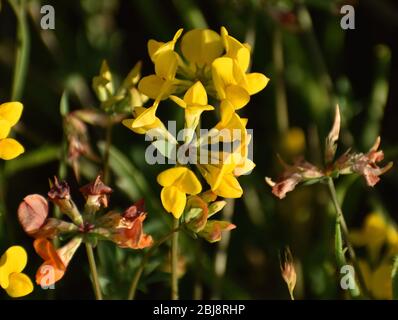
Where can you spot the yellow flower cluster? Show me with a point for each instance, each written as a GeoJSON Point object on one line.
{"type": "Point", "coordinates": [207, 65]}
{"type": "Point", "coordinates": [10, 113]}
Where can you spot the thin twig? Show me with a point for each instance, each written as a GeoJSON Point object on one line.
{"type": "Point", "coordinates": [94, 273]}
{"type": "Point", "coordinates": [174, 262]}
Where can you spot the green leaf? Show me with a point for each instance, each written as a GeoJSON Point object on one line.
{"type": "Point", "coordinates": [33, 159]}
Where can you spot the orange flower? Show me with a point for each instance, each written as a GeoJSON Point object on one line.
{"type": "Point", "coordinates": [129, 231]}
{"type": "Point", "coordinates": [55, 261]}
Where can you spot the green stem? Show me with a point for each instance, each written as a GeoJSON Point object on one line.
{"type": "Point", "coordinates": [345, 232]}
{"type": "Point", "coordinates": [141, 268]}
{"type": "Point", "coordinates": [22, 53]}
{"type": "Point", "coordinates": [174, 261]}
{"type": "Point", "coordinates": [94, 273]}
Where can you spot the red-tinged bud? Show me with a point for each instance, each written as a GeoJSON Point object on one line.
{"type": "Point", "coordinates": [213, 229]}
{"type": "Point", "coordinates": [59, 194]}
{"type": "Point", "coordinates": [364, 164]}
{"type": "Point", "coordinates": [300, 171]}
{"type": "Point", "coordinates": [96, 194]}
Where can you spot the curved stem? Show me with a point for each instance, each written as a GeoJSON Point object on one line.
{"type": "Point", "coordinates": [137, 275]}
{"type": "Point", "coordinates": [94, 273]}
{"type": "Point", "coordinates": [344, 228]}
{"type": "Point", "coordinates": [174, 262]}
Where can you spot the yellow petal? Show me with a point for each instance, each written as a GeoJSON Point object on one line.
{"type": "Point", "coordinates": [20, 285]}
{"type": "Point", "coordinates": [173, 200]}
{"type": "Point", "coordinates": [226, 111]}
{"type": "Point", "coordinates": [10, 149]}
{"type": "Point", "coordinates": [12, 261]}
{"type": "Point", "coordinates": [236, 50]}
{"type": "Point", "coordinates": [179, 101]}
{"type": "Point", "coordinates": [256, 82]}
{"type": "Point", "coordinates": [146, 118]}
{"type": "Point", "coordinates": [196, 95]}
{"type": "Point", "coordinates": [153, 47]}
{"type": "Point", "coordinates": [192, 115]}
{"type": "Point", "coordinates": [166, 65]}
{"type": "Point", "coordinates": [229, 187]}
{"type": "Point", "coordinates": [11, 111]}
{"type": "Point", "coordinates": [4, 128]}
{"type": "Point", "coordinates": [151, 86]}
{"type": "Point", "coordinates": [182, 178]}
{"type": "Point", "coordinates": [201, 46]}
{"type": "Point", "coordinates": [223, 75]}
{"type": "Point", "coordinates": [238, 96]}
{"type": "Point", "coordinates": [244, 167]}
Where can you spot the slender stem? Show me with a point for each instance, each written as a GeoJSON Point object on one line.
{"type": "Point", "coordinates": [108, 143]}
{"type": "Point", "coordinates": [344, 228]}
{"type": "Point", "coordinates": [94, 273]}
{"type": "Point", "coordinates": [22, 53]}
{"type": "Point", "coordinates": [291, 294]}
{"type": "Point", "coordinates": [144, 261]}
{"type": "Point", "coordinates": [174, 262]}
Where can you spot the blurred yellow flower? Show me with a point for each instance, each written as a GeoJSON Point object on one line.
{"type": "Point", "coordinates": [293, 141]}
{"type": "Point", "coordinates": [10, 113]}
{"type": "Point", "coordinates": [177, 183]}
{"type": "Point", "coordinates": [12, 280]}
{"type": "Point", "coordinates": [376, 233]}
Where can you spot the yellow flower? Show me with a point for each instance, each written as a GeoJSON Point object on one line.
{"type": "Point", "coordinates": [10, 113]}
{"type": "Point", "coordinates": [177, 183]}
{"type": "Point", "coordinates": [194, 103]}
{"type": "Point", "coordinates": [223, 167]}
{"type": "Point", "coordinates": [161, 84]}
{"type": "Point", "coordinates": [229, 73]}
{"type": "Point", "coordinates": [293, 141]}
{"type": "Point", "coordinates": [200, 47]}
{"type": "Point", "coordinates": [146, 122]}
{"type": "Point", "coordinates": [16, 283]}
{"type": "Point", "coordinates": [376, 233]}
{"type": "Point", "coordinates": [236, 50]}
{"type": "Point", "coordinates": [233, 84]}
{"type": "Point", "coordinates": [156, 48]}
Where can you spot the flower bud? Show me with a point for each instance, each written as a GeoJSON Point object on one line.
{"type": "Point", "coordinates": [59, 194]}
{"type": "Point", "coordinates": [96, 194]}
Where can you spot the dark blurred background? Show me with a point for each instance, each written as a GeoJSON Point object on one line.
{"type": "Point", "coordinates": [312, 63]}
